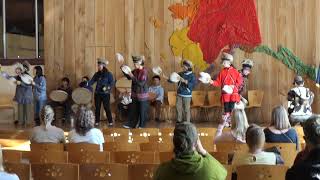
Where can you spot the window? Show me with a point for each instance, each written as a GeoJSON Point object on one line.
{"type": "Point", "coordinates": [22, 29]}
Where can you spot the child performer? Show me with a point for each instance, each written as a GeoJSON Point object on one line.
{"type": "Point", "coordinates": [157, 89]}
{"type": "Point", "coordinates": [66, 86]}
{"type": "Point", "coordinates": [85, 83]}
{"type": "Point", "coordinates": [39, 92]}
{"type": "Point", "coordinates": [229, 79]}
{"type": "Point", "coordinates": [247, 65]}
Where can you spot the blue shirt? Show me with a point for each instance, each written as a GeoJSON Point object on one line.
{"type": "Point", "coordinates": [158, 90]}
{"type": "Point", "coordinates": [40, 88]}
{"type": "Point", "coordinates": [289, 137]}
{"type": "Point", "coordinates": [104, 80]}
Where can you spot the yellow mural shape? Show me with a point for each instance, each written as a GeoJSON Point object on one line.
{"type": "Point", "coordinates": [181, 45]}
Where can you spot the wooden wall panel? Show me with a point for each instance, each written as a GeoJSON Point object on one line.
{"type": "Point", "coordinates": [77, 32]}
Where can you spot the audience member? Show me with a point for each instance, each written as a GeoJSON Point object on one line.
{"type": "Point", "coordinates": [84, 129]}
{"type": "Point", "coordinates": [191, 161]}
{"type": "Point", "coordinates": [47, 133]}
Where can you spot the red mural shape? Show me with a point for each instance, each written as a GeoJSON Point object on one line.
{"type": "Point", "coordinates": [221, 23]}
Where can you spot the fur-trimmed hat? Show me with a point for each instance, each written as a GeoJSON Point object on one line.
{"type": "Point", "coordinates": [103, 61]}
{"type": "Point", "coordinates": [227, 57]}
{"type": "Point", "coordinates": [187, 63]}
{"type": "Point", "coordinates": [298, 79]}
{"type": "Point", "coordinates": [247, 63]}
{"type": "Point", "coordinates": [18, 66]}
{"type": "Point", "coordinates": [138, 59]}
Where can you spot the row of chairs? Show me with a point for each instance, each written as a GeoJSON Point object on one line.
{"type": "Point", "coordinates": [62, 171]}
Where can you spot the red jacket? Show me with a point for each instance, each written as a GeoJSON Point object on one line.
{"type": "Point", "coordinates": [229, 76]}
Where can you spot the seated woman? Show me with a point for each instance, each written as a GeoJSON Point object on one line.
{"type": "Point", "coordinates": [238, 131]}
{"type": "Point", "coordinates": [280, 130]}
{"type": "Point", "coordinates": [255, 139]}
{"type": "Point", "coordinates": [3, 174]}
{"type": "Point", "coordinates": [47, 133]}
{"type": "Point", "coordinates": [84, 129]}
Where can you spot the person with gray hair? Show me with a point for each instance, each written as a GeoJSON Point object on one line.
{"type": "Point", "coordinates": [46, 132]}
{"type": "Point", "coordinates": [3, 174]}
{"type": "Point", "coordinates": [191, 161]}
{"type": "Point", "coordinates": [307, 161]}
{"type": "Point", "coordinates": [84, 129]}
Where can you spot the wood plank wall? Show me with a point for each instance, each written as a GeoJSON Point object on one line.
{"type": "Point", "coordinates": [77, 32]}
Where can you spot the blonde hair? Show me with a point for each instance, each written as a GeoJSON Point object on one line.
{"type": "Point", "coordinates": [240, 123]}
{"type": "Point", "coordinates": [46, 116]}
{"type": "Point", "coordinates": [279, 118]}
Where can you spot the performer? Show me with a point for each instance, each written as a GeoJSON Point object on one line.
{"type": "Point", "coordinates": [300, 100]}
{"type": "Point", "coordinates": [104, 80]}
{"type": "Point", "coordinates": [229, 79]}
{"type": "Point", "coordinates": [247, 65]}
{"type": "Point", "coordinates": [84, 83]}
{"type": "Point", "coordinates": [157, 89]}
{"type": "Point", "coordinates": [125, 102]}
{"type": "Point", "coordinates": [138, 114]}
{"type": "Point", "coordinates": [184, 93]}
{"type": "Point", "coordinates": [65, 86]}
{"type": "Point", "coordinates": [23, 95]}
{"type": "Point", "coordinates": [39, 92]}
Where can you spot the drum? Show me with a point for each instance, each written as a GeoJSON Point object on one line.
{"type": "Point", "coordinates": [82, 96]}
{"type": "Point", "coordinates": [125, 69]}
{"type": "Point", "coordinates": [123, 84]}
{"type": "Point", "coordinates": [58, 96]}
{"type": "Point", "coordinates": [26, 78]}
{"type": "Point", "coordinates": [175, 77]}
{"type": "Point", "coordinates": [152, 96]}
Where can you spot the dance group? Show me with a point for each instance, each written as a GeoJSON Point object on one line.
{"type": "Point", "coordinates": [136, 101]}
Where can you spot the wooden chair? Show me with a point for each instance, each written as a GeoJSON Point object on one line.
{"type": "Point", "coordinates": [132, 157]}
{"type": "Point", "coordinates": [142, 171]}
{"type": "Point", "coordinates": [165, 156]}
{"type": "Point", "coordinates": [55, 171]}
{"type": "Point", "coordinates": [46, 147]}
{"type": "Point", "coordinates": [7, 103]}
{"type": "Point", "coordinates": [207, 143]}
{"type": "Point", "coordinates": [108, 138]}
{"type": "Point", "coordinates": [145, 132]}
{"type": "Point", "coordinates": [222, 157]}
{"type": "Point", "coordinates": [229, 171]}
{"type": "Point", "coordinates": [72, 147]}
{"type": "Point", "coordinates": [214, 102]}
{"type": "Point", "coordinates": [118, 146]}
{"type": "Point", "coordinates": [207, 131]}
{"type": "Point", "coordinates": [21, 170]}
{"type": "Point", "coordinates": [198, 100]}
{"type": "Point", "coordinates": [163, 139]}
{"type": "Point", "coordinates": [103, 172]}
{"type": "Point", "coordinates": [166, 131]}
{"type": "Point", "coordinates": [11, 156]}
{"type": "Point", "coordinates": [115, 131]}
{"type": "Point", "coordinates": [231, 147]}
{"type": "Point", "coordinates": [172, 101]}
{"type": "Point", "coordinates": [261, 172]}
{"type": "Point", "coordinates": [131, 139]}
{"type": "Point", "coordinates": [156, 147]}
{"type": "Point", "coordinates": [89, 157]}
{"type": "Point", "coordinates": [300, 133]}
{"type": "Point", "coordinates": [48, 157]}
{"type": "Point", "coordinates": [255, 98]}
{"type": "Point", "coordinates": [287, 150]}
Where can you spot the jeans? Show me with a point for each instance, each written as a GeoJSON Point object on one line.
{"type": "Point", "coordinates": [105, 100]}
{"type": "Point", "coordinates": [138, 113]}
{"type": "Point", "coordinates": [157, 107]}
{"type": "Point", "coordinates": [183, 109]}
{"type": "Point", "coordinates": [38, 105]}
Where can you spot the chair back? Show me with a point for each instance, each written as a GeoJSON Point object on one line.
{"type": "Point", "coordinates": [89, 157]}
{"type": "Point", "coordinates": [207, 143]}
{"type": "Point", "coordinates": [167, 131]}
{"type": "Point", "coordinates": [222, 157]}
{"type": "Point", "coordinates": [231, 147]}
{"type": "Point", "coordinates": [134, 157]}
{"type": "Point", "coordinates": [21, 170]}
{"type": "Point", "coordinates": [261, 172]}
{"type": "Point", "coordinates": [46, 147]}
{"type": "Point", "coordinates": [255, 98]}
{"type": "Point", "coordinates": [72, 147]}
{"type": "Point", "coordinates": [156, 147]}
{"type": "Point", "coordinates": [229, 171]}
{"type": "Point", "coordinates": [55, 171]}
{"type": "Point", "coordinates": [131, 139]}
{"type": "Point", "coordinates": [145, 132]}
{"type": "Point", "coordinates": [172, 98]}
{"type": "Point", "coordinates": [288, 151]}
{"type": "Point", "coordinates": [103, 171]}
{"type": "Point", "coordinates": [165, 156]}
{"type": "Point", "coordinates": [207, 131]}
{"type": "Point", "coordinates": [162, 139]}
{"type": "Point", "coordinates": [142, 171]}
{"type": "Point", "coordinates": [214, 98]}
{"type": "Point", "coordinates": [121, 146]}
{"type": "Point", "coordinates": [115, 131]}
{"type": "Point", "coordinates": [11, 156]}
{"type": "Point", "coordinates": [48, 157]}
{"type": "Point", "coordinates": [198, 98]}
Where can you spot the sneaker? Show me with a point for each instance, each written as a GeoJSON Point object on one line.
{"type": "Point", "coordinates": [126, 127]}
{"type": "Point", "coordinates": [110, 124]}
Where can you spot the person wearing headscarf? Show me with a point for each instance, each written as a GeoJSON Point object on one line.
{"type": "Point", "coordinates": [46, 132]}
{"type": "Point", "coordinates": [23, 95]}
{"type": "Point", "coordinates": [229, 79]}
{"type": "Point", "coordinates": [186, 85]}
{"type": "Point", "coordinates": [191, 160]}
{"type": "Point", "coordinates": [39, 93]}
{"type": "Point", "coordinates": [84, 131]}
{"type": "Point", "coordinates": [105, 82]}
{"type": "Point", "coordinates": [138, 113]}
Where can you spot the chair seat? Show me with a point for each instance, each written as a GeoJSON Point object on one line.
{"type": "Point", "coordinates": [6, 106]}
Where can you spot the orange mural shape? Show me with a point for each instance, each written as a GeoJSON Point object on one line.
{"type": "Point", "coordinates": [188, 11]}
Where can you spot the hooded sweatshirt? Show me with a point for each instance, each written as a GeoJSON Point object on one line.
{"type": "Point", "coordinates": [191, 167]}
